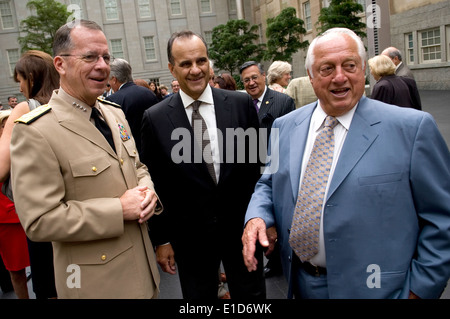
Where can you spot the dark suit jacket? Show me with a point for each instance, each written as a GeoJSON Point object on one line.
{"type": "Point", "coordinates": [404, 71]}
{"type": "Point", "coordinates": [134, 100]}
{"type": "Point", "coordinates": [274, 105]}
{"type": "Point", "coordinates": [197, 212]}
{"type": "Point", "coordinates": [397, 90]}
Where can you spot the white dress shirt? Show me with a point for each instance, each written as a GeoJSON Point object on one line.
{"type": "Point", "coordinates": [208, 113]}
{"type": "Point", "coordinates": [340, 133]}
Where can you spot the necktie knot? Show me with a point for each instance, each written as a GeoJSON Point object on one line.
{"type": "Point", "coordinates": [331, 121]}
{"type": "Point", "coordinates": [196, 105]}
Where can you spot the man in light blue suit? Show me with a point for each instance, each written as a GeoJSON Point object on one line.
{"type": "Point", "coordinates": [385, 217]}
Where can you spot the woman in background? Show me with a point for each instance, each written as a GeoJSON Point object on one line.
{"type": "Point", "coordinates": [390, 88]}
{"type": "Point", "coordinates": [225, 81]}
{"type": "Point", "coordinates": [38, 78]}
{"type": "Point", "coordinates": [279, 75]}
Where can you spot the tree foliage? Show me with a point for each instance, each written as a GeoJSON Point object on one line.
{"type": "Point", "coordinates": [342, 14]}
{"type": "Point", "coordinates": [233, 44]}
{"type": "Point", "coordinates": [39, 29]}
{"type": "Point", "coordinates": [284, 35]}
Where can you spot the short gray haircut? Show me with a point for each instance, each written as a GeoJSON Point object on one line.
{"type": "Point", "coordinates": [121, 70]}
{"type": "Point", "coordinates": [331, 33]}
{"type": "Point", "coordinates": [277, 69]}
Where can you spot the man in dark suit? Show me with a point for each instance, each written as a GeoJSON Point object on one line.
{"type": "Point", "coordinates": [270, 105]}
{"type": "Point", "coordinates": [396, 56]}
{"type": "Point", "coordinates": [204, 208]}
{"type": "Point", "coordinates": [133, 99]}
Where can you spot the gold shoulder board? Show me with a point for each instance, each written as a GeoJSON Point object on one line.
{"type": "Point", "coordinates": [101, 99]}
{"type": "Point", "coordinates": [32, 116]}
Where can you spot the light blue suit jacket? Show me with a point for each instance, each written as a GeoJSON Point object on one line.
{"type": "Point", "coordinates": [388, 204]}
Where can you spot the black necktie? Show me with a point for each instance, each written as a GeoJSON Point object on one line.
{"type": "Point", "coordinates": [102, 127]}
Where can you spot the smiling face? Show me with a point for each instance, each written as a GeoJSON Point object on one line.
{"type": "Point", "coordinates": [82, 80]}
{"type": "Point", "coordinates": [190, 65]}
{"type": "Point", "coordinates": [338, 74]}
{"type": "Point", "coordinates": [254, 81]}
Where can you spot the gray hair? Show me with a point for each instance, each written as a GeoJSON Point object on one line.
{"type": "Point", "coordinates": [331, 33]}
{"type": "Point", "coordinates": [186, 34]}
{"type": "Point", "coordinates": [121, 70]}
{"type": "Point", "coordinates": [276, 71]}
{"type": "Point", "coordinates": [63, 42]}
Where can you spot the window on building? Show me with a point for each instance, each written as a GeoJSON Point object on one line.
{"type": "Point", "coordinates": [145, 10]}
{"type": "Point", "coordinates": [149, 46]}
{"type": "Point", "coordinates": [232, 5]}
{"type": "Point", "coordinates": [208, 38]}
{"type": "Point", "coordinates": [112, 11]}
{"type": "Point", "coordinates": [307, 15]}
{"type": "Point", "coordinates": [6, 15]}
{"type": "Point", "coordinates": [205, 6]}
{"type": "Point", "coordinates": [79, 8]}
{"type": "Point", "coordinates": [155, 80]}
{"type": "Point", "coordinates": [117, 49]}
{"type": "Point", "coordinates": [13, 57]}
{"type": "Point", "coordinates": [409, 50]}
{"type": "Point", "coordinates": [175, 7]}
{"type": "Point", "coordinates": [430, 45]}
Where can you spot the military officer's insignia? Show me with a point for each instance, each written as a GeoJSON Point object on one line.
{"type": "Point", "coordinates": [123, 133]}
{"type": "Point", "coordinates": [32, 116]}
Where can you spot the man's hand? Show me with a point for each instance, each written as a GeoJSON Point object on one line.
{"type": "Point", "coordinates": [272, 236]}
{"type": "Point", "coordinates": [254, 230]}
{"type": "Point", "coordinates": [165, 258]}
{"type": "Point", "coordinates": [138, 203]}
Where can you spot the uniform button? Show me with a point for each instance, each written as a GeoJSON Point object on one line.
{"type": "Point", "coordinates": [134, 152]}
{"type": "Point", "coordinates": [94, 169]}
{"type": "Point", "coordinates": [121, 161]}
{"type": "Point", "coordinates": [103, 257]}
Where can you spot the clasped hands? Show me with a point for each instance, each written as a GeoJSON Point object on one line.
{"type": "Point", "coordinates": [138, 203]}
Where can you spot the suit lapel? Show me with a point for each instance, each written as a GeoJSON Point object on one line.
{"type": "Point", "coordinates": [360, 137]}
{"type": "Point", "coordinates": [297, 146]}
{"type": "Point", "coordinates": [266, 104]}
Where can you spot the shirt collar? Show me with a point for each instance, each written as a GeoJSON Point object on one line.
{"type": "Point", "coordinates": [319, 115]}
{"type": "Point", "coordinates": [206, 97]}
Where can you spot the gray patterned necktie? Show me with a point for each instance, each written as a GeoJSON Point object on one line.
{"type": "Point", "coordinates": [304, 236]}
{"type": "Point", "coordinates": [203, 141]}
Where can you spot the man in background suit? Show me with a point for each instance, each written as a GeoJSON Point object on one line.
{"type": "Point", "coordinates": [383, 219]}
{"type": "Point", "coordinates": [396, 56]}
{"type": "Point", "coordinates": [204, 209]}
{"type": "Point", "coordinates": [133, 99]}
{"type": "Point", "coordinates": [269, 104]}
{"type": "Point", "coordinates": [90, 198]}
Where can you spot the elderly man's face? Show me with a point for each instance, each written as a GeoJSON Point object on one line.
{"type": "Point", "coordinates": [338, 74]}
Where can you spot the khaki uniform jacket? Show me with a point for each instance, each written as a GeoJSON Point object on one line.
{"type": "Point", "coordinates": [67, 181]}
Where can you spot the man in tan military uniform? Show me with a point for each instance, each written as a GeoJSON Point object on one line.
{"type": "Point", "coordinates": [72, 188]}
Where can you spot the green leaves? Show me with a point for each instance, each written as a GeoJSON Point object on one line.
{"type": "Point", "coordinates": [343, 14]}
{"type": "Point", "coordinates": [40, 27]}
{"type": "Point", "coordinates": [284, 35]}
{"type": "Point", "coordinates": [233, 44]}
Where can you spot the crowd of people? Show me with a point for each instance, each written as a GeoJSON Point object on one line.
{"type": "Point", "coordinates": [105, 176]}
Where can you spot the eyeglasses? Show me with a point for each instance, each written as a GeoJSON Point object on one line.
{"type": "Point", "coordinates": [252, 78]}
{"type": "Point", "coordinates": [92, 58]}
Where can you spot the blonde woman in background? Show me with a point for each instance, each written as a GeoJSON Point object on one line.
{"type": "Point", "coordinates": [279, 75]}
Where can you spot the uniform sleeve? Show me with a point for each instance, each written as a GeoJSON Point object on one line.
{"type": "Point", "coordinates": [39, 192]}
